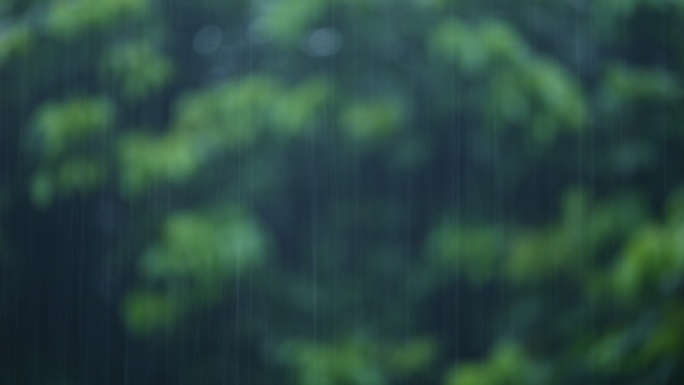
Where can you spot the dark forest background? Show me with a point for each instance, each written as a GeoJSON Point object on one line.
{"type": "Point", "coordinates": [341, 192]}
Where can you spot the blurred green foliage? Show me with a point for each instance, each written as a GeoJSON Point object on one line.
{"type": "Point", "coordinates": [342, 192]}
{"type": "Point", "coordinates": [370, 121]}
{"type": "Point", "coordinates": [69, 134]}
{"type": "Point", "coordinates": [202, 251]}
{"type": "Point", "coordinates": [147, 313]}
{"type": "Point", "coordinates": [67, 18]}
{"type": "Point", "coordinates": [138, 68]}
{"type": "Point", "coordinates": [61, 126]}
{"type": "Point", "coordinates": [508, 365]}
{"type": "Point", "coordinates": [194, 259]}
{"type": "Point", "coordinates": [358, 361]}
{"type": "Point", "coordinates": [522, 88]}
{"type": "Point", "coordinates": [14, 40]}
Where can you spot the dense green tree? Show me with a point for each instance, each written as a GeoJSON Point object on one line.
{"type": "Point", "coordinates": [336, 192]}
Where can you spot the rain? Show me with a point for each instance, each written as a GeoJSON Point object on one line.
{"type": "Point", "coordinates": [341, 192]}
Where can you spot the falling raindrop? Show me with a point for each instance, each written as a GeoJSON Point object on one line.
{"type": "Point", "coordinates": [208, 40]}
{"type": "Point", "coordinates": [324, 42]}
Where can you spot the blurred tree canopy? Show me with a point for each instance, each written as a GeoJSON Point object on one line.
{"type": "Point", "coordinates": [341, 192]}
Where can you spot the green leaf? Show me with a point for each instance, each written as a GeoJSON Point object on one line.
{"type": "Point", "coordinates": [147, 313]}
